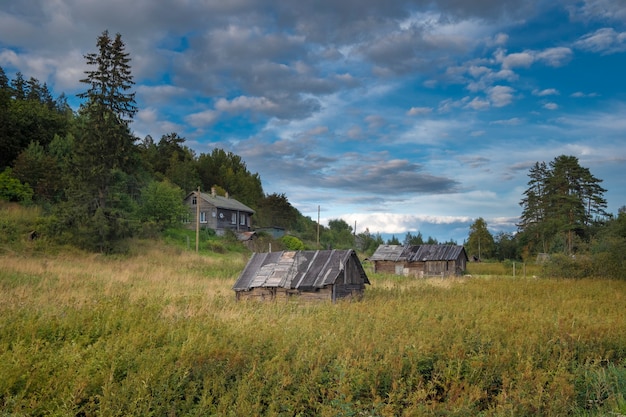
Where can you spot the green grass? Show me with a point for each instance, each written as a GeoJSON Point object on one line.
{"type": "Point", "coordinates": [507, 268]}
{"type": "Point", "coordinates": [160, 333]}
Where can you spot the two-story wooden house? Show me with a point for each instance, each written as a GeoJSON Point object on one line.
{"type": "Point", "coordinates": [217, 212]}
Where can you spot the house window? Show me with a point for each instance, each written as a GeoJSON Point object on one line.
{"type": "Point", "coordinates": [194, 201]}
{"type": "Point", "coordinates": [203, 217]}
{"type": "Point", "coordinates": [214, 213]}
{"type": "Point", "coordinates": [242, 219]}
{"type": "Point", "coordinates": [233, 218]}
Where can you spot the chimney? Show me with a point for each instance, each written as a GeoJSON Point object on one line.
{"type": "Point", "coordinates": [226, 194]}
{"type": "Point", "coordinates": [212, 191]}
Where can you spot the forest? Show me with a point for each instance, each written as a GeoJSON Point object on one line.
{"type": "Point", "coordinates": [98, 185]}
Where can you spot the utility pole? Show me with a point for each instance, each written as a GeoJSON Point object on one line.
{"type": "Point", "coordinates": [197, 219]}
{"type": "Point", "coordinates": [318, 226]}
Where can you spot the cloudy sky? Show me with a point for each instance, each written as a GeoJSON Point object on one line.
{"type": "Point", "coordinates": [397, 115]}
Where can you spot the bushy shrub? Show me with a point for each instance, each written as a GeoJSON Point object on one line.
{"type": "Point", "coordinates": [563, 266]}
{"type": "Point", "coordinates": [292, 243]}
{"type": "Point", "coordinates": [11, 189]}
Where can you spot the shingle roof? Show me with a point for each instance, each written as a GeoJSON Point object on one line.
{"type": "Point", "coordinates": [388, 253]}
{"type": "Point", "coordinates": [416, 253]}
{"type": "Point", "coordinates": [303, 270]}
{"type": "Point", "coordinates": [225, 203]}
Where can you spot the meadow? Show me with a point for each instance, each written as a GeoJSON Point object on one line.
{"type": "Point", "coordinates": [158, 333]}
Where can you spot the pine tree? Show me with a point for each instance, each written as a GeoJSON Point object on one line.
{"type": "Point", "coordinates": [560, 203]}
{"type": "Point", "coordinates": [533, 213]}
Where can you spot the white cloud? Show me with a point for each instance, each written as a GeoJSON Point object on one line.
{"type": "Point", "coordinates": [551, 106]}
{"type": "Point", "coordinates": [385, 222]}
{"type": "Point", "coordinates": [418, 111]}
{"type": "Point", "coordinates": [514, 121]}
{"type": "Point", "coordinates": [604, 41]}
{"type": "Point", "coordinates": [478, 104]}
{"type": "Point", "coordinates": [375, 121]}
{"type": "Point", "coordinates": [579, 94]}
{"type": "Point", "coordinates": [501, 95]}
{"type": "Point", "coordinates": [202, 119]}
{"type": "Point", "coordinates": [243, 103]}
{"type": "Point", "coordinates": [555, 57]}
{"type": "Point", "coordinates": [546, 92]}
{"type": "Point", "coordinates": [515, 60]}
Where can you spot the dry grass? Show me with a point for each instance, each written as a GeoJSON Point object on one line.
{"type": "Point", "coordinates": [160, 332]}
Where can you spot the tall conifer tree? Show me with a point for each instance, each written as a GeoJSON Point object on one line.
{"type": "Point", "coordinates": [105, 151]}
{"type": "Point", "coordinates": [560, 203]}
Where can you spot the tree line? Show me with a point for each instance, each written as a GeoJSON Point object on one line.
{"type": "Point", "coordinates": [563, 223]}
{"type": "Point", "coordinates": [99, 184]}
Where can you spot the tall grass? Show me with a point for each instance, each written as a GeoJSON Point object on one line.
{"type": "Point", "coordinates": [160, 333]}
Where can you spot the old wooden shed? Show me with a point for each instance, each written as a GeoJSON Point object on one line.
{"type": "Point", "coordinates": [313, 275]}
{"type": "Point", "coordinates": [420, 260]}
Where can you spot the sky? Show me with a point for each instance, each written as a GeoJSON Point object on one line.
{"type": "Point", "coordinates": [395, 116]}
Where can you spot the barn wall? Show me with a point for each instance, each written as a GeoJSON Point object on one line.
{"type": "Point", "coordinates": [349, 290]}
{"type": "Point", "coordinates": [414, 269]}
{"type": "Point", "coordinates": [385, 267]}
{"type": "Point", "coordinates": [259, 294]}
{"type": "Point", "coordinates": [282, 294]}
{"type": "Point", "coordinates": [432, 268]}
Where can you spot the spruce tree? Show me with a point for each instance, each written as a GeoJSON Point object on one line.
{"type": "Point", "coordinates": [105, 153]}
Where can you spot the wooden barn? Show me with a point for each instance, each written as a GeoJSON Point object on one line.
{"type": "Point", "coordinates": [309, 275]}
{"type": "Point", "coordinates": [420, 260]}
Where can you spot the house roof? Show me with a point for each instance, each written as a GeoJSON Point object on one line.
{"type": "Point", "coordinates": [223, 202]}
{"type": "Point", "coordinates": [303, 270]}
{"type": "Point", "coordinates": [417, 253]}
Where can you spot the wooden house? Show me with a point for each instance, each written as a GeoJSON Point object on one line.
{"type": "Point", "coordinates": [217, 212]}
{"type": "Point", "coordinates": [309, 275]}
{"type": "Point", "coordinates": [420, 260]}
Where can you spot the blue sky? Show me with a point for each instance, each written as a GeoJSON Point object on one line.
{"type": "Point", "coordinates": [397, 115]}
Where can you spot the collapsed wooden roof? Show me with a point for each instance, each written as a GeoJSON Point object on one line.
{"type": "Point", "coordinates": [418, 253]}
{"type": "Point", "coordinates": [302, 270]}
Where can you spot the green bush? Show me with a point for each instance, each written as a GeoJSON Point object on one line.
{"type": "Point", "coordinates": [564, 266]}
{"type": "Point", "coordinates": [292, 243]}
{"type": "Point", "coordinates": [11, 189]}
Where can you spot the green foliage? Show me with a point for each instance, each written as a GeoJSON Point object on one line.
{"type": "Point", "coordinates": [480, 242]}
{"type": "Point", "coordinates": [411, 240]}
{"type": "Point", "coordinates": [42, 171]}
{"type": "Point", "coordinates": [162, 204]}
{"type": "Point", "coordinates": [11, 189]}
{"type": "Point", "coordinates": [561, 201]}
{"type": "Point", "coordinates": [292, 243]}
{"type": "Point", "coordinates": [274, 210]}
{"type": "Point", "coordinates": [367, 244]}
{"type": "Point", "coordinates": [563, 266]}
{"type": "Point", "coordinates": [27, 114]}
{"type": "Point", "coordinates": [339, 235]}
{"type": "Point", "coordinates": [393, 240]}
{"type": "Point", "coordinates": [600, 383]}
{"type": "Point", "coordinates": [229, 171]}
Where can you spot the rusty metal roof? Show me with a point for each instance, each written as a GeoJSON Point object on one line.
{"type": "Point", "coordinates": [303, 270]}
{"type": "Point", "coordinates": [417, 253]}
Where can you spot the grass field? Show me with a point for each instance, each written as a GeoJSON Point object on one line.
{"type": "Point", "coordinates": [160, 333]}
